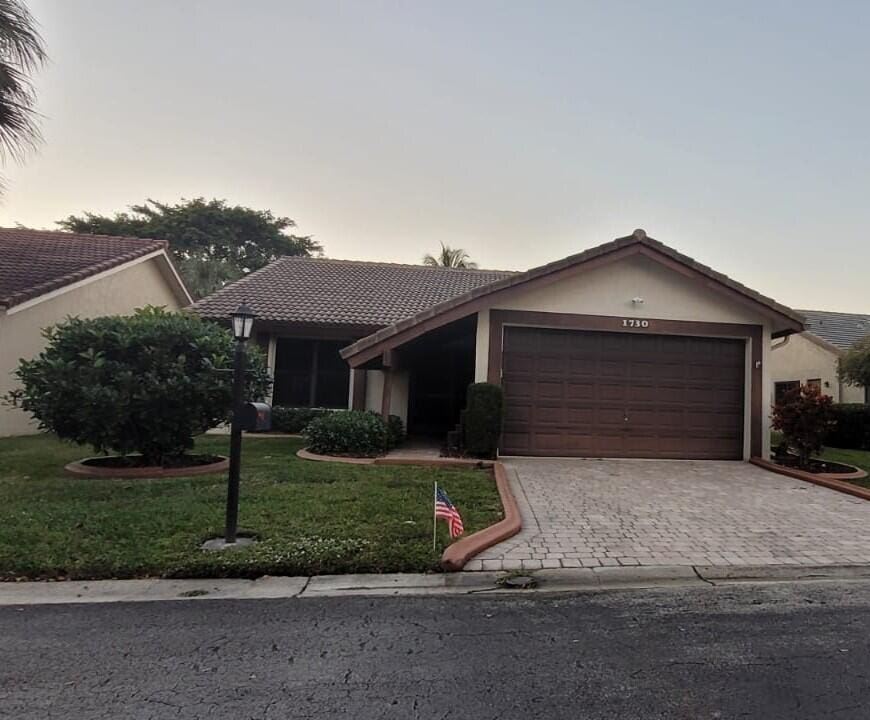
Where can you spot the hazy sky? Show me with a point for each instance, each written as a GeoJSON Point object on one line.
{"type": "Point", "coordinates": [523, 132]}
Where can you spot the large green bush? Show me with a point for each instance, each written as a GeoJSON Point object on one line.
{"type": "Point", "coordinates": [482, 419]}
{"type": "Point", "coordinates": [294, 420]}
{"type": "Point", "coordinates": [145, 383]}
{"type": "Point", "coordinates": [356, 433]}
{"type": "Point", "coordinates": [852, 427]}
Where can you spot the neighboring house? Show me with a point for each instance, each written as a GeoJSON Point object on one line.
{"type": "Point", "coordinates": [629, 349]}
{"type": "Point", "coordinates": [813, 357]}
{"type": "Point", "coordinates": [46, 277]}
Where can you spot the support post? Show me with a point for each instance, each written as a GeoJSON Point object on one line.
{"type": "Point", "coordinates": [232, 520]}
{"type": "Point", "coordinates": [387, 395]}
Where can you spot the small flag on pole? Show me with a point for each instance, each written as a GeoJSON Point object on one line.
{"type": "Point", "coordinates": [446, 510]}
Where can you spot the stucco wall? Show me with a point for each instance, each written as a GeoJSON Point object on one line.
{"type": "Point", "coordinates": [802, 359]}
{"type": "Point", "coordinates": [118, 293]}
{"type": "Point", "coordinates": [667, 295]}
{"type": "Point", "coordinates": [398, 393]}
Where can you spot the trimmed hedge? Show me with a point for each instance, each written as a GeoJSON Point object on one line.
{"type": "Point", "coordinates": [355, 433]}
{"type": "Point", "coordinates": [294, 420]}
{"type": "Point", "coordinates": [852, 429]}
{"type": "Point", "coordinates": [482, 419]}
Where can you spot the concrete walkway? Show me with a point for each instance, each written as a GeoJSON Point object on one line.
{"type": "Point", "coordinates": [600, 513]}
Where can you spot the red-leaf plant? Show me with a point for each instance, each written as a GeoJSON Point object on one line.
{"type": "Point", "coordinates": [804, 416]}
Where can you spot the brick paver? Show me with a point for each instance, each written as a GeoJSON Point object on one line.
{"type": "Point", "coordinates": [591, 513]}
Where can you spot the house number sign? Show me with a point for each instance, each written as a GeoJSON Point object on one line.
{"type": "Point", "coordinates": [634, 323]}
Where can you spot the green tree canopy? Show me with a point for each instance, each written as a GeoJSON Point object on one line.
{"type": "Point", "coordinates": [449, 257]}
{"type": "Point", "coordinates": [855, 364]}
{"type": "Point", "coordinates": [213, 242]}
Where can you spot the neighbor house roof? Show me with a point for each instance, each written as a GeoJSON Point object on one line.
{"type": "Point", "coordinates": [842, 330]}
{"type": "Point", "coordinates": [788, 320]}
{"type": "Point", "coordinates": [35, 262]}
{"type": "Point", "coordinates": [321, 291]}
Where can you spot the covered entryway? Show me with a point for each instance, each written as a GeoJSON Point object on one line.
{"type": "Point", "coordinates": [611, 394]}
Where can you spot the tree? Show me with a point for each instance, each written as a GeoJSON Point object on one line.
{"type": "Point", "coordinates": [21, 52]}
{"type": "Point", "coordinates": [212, 242]}
{"type": "Point", "coordinates": [804, 416]}
{"type": "Point", "coordinates": [145, 383]}
{"type": "Point", "coordinates": [855, 364]}
{"type": "Point", "coordinates": [450, 258]}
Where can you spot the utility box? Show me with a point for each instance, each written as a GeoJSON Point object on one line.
{"type": "Point", "coordinates": [256, 417]}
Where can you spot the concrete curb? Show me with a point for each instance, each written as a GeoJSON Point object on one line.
{"type": "Point", "coordinates": [829, 482]}
{"type": "Point", "coordinates": [397, 459]}
{"type": "Point", "coordinates": [472, 583]}
{"type": "Point", "coordinates": [460, 552]}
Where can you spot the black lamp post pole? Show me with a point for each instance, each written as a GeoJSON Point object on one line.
{"type": "Point", "coordinates": [239, 363]}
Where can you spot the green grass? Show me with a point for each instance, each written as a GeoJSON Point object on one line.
{"type": "Point", "coordinates": [310, 517]}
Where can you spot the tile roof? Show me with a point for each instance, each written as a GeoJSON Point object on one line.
{"type": "Point", "coordinates": [35, 262]}
{"type": "Point", "coordinates": [343, 292]}
{"type": "Point", "coordinates": [842, 330]}
{"type": "Point", "coordinates": [792, 321]}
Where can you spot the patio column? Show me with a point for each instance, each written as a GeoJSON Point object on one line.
{"type": "Point", "coordinates": [389, 365]}
{"type": "Point", "coordinates": [358, 392]}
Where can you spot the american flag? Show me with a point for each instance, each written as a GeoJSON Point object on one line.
{"type": "Point", "coordinates": [446, 510]}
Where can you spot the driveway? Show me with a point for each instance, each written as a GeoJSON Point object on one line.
{"type": "Point", "coordinates": [591, 513]}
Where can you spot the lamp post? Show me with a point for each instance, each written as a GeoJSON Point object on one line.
{"type": "Point", "coordinates": [242, 321]}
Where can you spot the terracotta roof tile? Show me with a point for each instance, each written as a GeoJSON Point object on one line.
{"type": "Point", "coordinates": [343, 292]}
{"type": "Point", "coordinates": [34, 262]}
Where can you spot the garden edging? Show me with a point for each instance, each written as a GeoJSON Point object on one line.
{"type": "Point", "coordinates": [459, 553]}
{"type": "Point", "coordinates": [80, 469]}
{"type": "Point", "coordinates": [836, 482]}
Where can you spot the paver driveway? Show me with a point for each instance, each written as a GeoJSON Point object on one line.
{"type": "Point", "coordinates": [588, 513]}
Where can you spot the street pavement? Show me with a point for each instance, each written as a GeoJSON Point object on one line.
{"type": "Point", "coordinates": [774, 651]}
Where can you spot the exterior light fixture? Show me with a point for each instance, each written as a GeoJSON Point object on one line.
{"type": "Point", "coordinates": [243, 322]}
{"type": "Point", "coordinates": [637, 301]}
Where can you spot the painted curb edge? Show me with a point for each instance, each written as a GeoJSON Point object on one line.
{"type": "Point", "coordinates": [80, 470]}
{"type": "Point", "coordinates": [831, 483]}
{"type": "Point", "coordinates": [460, 552]}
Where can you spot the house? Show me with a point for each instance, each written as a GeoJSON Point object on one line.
{"type": "Point", "coordinates": [812, 358]}
{"type": "Point", "coordinates": [629, 349]}
{"type": "Point", "coordinates": [46, 277]}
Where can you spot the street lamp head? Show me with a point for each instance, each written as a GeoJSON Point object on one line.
{"type": "Point", "coordinates": [243, 321]}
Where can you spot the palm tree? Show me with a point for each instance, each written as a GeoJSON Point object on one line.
{"type": "Point", "coordinates": [21, 52]}
{"type": "Point", "coordinates": [450, 258]}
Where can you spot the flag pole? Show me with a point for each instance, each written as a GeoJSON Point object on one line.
{"type": "Point", "coordinates": [435, 518]}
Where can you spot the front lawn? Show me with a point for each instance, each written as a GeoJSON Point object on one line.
{"type": "Point", "coordinates": [310, 517]}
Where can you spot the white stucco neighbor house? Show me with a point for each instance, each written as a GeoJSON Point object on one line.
{"type": "Point", "coordinates": [46, 277]}
{"type": "Point", "coordinates": [628, 349]}
{"type": "Point", "coordinates": [812, 357]}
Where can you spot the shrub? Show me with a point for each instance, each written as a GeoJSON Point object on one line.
{"type": "Point", "coordinates": [395, 431]}
{"type": "Point", "coordinates": [804, 416]}
{"type": "Point", "coordinates": [852, 427]}
{"type": "Point", "coordinates": [483, 417]}
{"type": "Point", "coordinates": [145, 383]}
{"type": "Point", "coordinates": [348, 432]}
{"type": "Point", "coordinates": [294, 420]}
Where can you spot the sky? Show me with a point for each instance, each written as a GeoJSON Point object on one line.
{"type": "Point", "coordinates": [735, 132]}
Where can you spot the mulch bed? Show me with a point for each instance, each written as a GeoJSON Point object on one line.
{"type": "Point", "coordinates": [815, 466]}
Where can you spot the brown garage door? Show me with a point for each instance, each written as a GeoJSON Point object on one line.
{"type": "Point", "coordinates": [604, 394]}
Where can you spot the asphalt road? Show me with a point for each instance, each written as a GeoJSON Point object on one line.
{"type": "Point", "coordinates": [783, 651]}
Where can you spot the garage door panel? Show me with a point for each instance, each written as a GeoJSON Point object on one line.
{"type": "Point", "coordinates": [578, 393]}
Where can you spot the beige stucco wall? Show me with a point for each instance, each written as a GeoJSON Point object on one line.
{"type": "Point", "coordinates": [667, 295]}
{"type": "Point", "coordinates": [117, 293]}
{"type": "Point", "coordinates": [802, 359]}
{"type": "Point", "coordinates": [398, 393]}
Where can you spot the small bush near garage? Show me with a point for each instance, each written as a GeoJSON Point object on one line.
{"type": "Point", "coordinates": [395, 431]}
{"type": "Point", "coordinates": [852, 427]}
{"type": "Point", "coordinates": [355, 433]}
{"type": "Point", "coordinates": [146, 384]}
{"type": "Point", "coordinates": [483, 417]}
{"type": "Point", "coordinates": [294, 420]}
{"type": "Point", "coordinates": [805, 417]}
